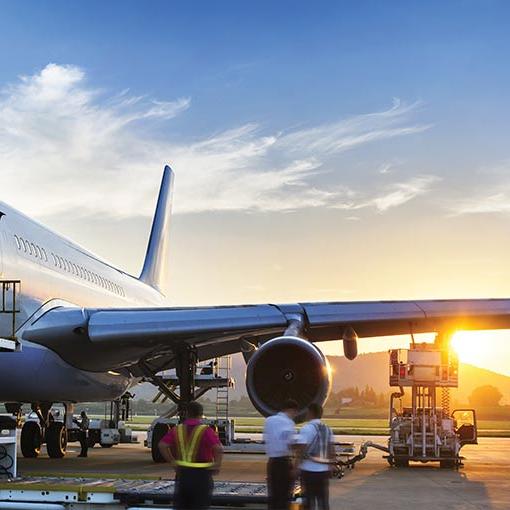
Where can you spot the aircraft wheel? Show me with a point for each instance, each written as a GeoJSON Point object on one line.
{"type": "Point", "coordinates": [31, 439]}
{"type": "Point", "coordinates": [56, 440]}
{"type": "Point", "coordinates": [157, 434]}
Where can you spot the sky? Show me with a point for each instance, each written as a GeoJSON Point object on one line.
{"type": "Point", "coordinates": [322, 151]}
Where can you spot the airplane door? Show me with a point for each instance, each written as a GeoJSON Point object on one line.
{"type": "Point", "coordinates": [2, 241]}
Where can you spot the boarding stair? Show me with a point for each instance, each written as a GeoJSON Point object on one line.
{"type": "Point", "coordinates": [9, 308]}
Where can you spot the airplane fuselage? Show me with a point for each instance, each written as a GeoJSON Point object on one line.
{"type": "Point", "coordinates": [55, 272]}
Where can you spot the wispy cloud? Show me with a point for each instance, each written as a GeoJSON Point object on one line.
{"type": "Point", "coordinates": [83, 151]}
{"type": "Point", "coordinates": [402, 192]}
{"type": "Point", "coordinates": [497, 203]}
{"type": "Point", "coordinates": [490, 194]}
{"type": "Point", "coordinates": [393, 195]}
{"type": "Point", "coordinates": [385, 168]}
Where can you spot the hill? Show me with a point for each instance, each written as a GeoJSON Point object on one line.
{"type": "Point", "coordinates": [368, 369]}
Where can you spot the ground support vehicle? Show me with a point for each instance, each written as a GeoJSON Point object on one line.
{"type": "Point", "coordinates": [423, 430]}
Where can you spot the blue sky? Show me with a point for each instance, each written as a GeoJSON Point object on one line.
{"type": "Point", "coordinates": [362, 146]}
{"type": "Point", "coordinates": [278, 63]}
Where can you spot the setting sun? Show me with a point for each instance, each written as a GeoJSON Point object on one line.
{"type": "Point", "coordinates": [487, 349]}
{"type": "Point", "coordinates": [468, 344]}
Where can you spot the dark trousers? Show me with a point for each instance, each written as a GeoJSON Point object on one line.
{"type": "Point", "coordinates": [315, 490]}
{"type": "Point", "coordinates": [193, 488]}
{"type": "Point", "coordinates": [84, 443]}
{"type": "Point", "coordinates": [279, 483]}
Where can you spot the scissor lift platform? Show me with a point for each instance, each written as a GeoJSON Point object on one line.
{"type": "Point", "coordinates": [121, 493]}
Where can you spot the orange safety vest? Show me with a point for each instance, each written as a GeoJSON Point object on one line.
{"type": "Point", "coordinates": [187, 447]}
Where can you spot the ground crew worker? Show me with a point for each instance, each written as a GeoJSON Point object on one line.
{"type": "Point", "coordinates": [315, 446]}
{"type": "Point", "coordinates": [195, 451]}
{"type": "Point", "coordinates": [83, 435]}
{"type": "Point", "coordinates": [279, 435]}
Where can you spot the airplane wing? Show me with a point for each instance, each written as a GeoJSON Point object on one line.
{"type": "Point", "coordinates": [106, 339]}
{"type": "Point", "coordinates": [99, 339]}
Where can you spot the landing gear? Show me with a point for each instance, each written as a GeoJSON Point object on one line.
{"type": "Point", "coordinates": [56, 440]}
{"type": "Point", "coordinates": [45, 430]}
{"type": "Point", "coordinates": [159, 431]}
{"type": "Point", "coordinates": [31, 439]}
{"type": "Point", "coordinates": [185, 367]}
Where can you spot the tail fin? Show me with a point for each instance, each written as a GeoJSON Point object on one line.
{"type": "Point", "coordinates": [154, 267]}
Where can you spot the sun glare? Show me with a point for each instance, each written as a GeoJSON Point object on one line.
{"type": "Point", "coordinates": [468, 345]}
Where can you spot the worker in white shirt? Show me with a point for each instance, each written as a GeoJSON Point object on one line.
{"type": "Point", "coordinates": [316, 451]}
{"type": "Point", "coordinates": [279, 437]}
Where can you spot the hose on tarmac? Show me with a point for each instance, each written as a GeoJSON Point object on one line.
{"type": "Point", "coordinates": [363, 450]}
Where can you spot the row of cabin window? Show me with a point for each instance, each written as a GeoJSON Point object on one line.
{"type": "Point", "coordinates": [62, 263]}
{"type": "Point", "coordinates": [31, 248]}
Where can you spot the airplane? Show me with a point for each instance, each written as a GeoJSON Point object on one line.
{"type": "Point", "coordinates": [88, 331]}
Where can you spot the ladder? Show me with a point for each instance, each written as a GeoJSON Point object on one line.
{"type": "Point", "coordinates": [222, 370]}
{"type": "Point", "coordinates": [8, 309]}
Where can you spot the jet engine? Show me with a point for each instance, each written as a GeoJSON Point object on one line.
{"type": "Point", "coordinates": [287, 367]}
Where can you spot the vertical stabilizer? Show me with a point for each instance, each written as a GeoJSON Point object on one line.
{"type": "Point", "coordinates": [156, 258]}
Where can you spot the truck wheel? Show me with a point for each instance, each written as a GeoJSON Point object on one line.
{"type": "Point", "coordinates": [56, 440]}
{"type": "Point", "coordinates": [104, 445]}
{"type": "Point", "coordinates": [447, 464]}
{"type": "Point", "coordinates": [31, 439]}
{"type": "Point", "coordinates": [157, 434]}
{"type": "Point", "coordinates": [399, 462]}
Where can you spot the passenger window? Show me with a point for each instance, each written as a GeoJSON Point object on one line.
{"type": "Point", "coordinates": [23, 244]}
{"type": "Point", "coordinates": [44, 254]}
{"type": "Point", "coordinates": [18, 244]}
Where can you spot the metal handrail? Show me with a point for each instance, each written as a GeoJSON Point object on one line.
{"type": "Point", "coordinates": [13, 309]}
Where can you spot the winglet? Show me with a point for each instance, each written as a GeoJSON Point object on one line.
{"type": "Point", "coordinates": [156, 258]}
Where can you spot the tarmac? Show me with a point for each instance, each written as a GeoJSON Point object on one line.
{"type": "Point", "coordinates": [482, 483]}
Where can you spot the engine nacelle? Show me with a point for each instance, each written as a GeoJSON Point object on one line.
{"type": "Point", "coordinates": [287, 367]}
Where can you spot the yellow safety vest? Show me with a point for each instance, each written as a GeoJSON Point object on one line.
{"type": "Point", "coordinates": [187, 448]}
